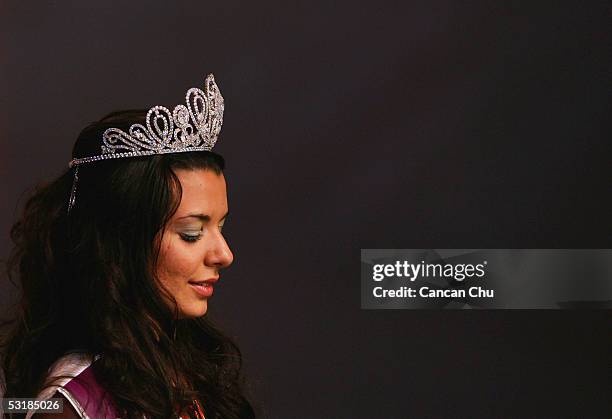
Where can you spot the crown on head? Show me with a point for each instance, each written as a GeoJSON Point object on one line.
{"type": "Point", "coordinates": [193, 127]}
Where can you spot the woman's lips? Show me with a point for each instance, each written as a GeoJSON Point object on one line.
{"type": "Point", "coordinates": [203, 288]}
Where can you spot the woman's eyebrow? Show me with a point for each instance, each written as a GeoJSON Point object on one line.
{"type": "Point", "coordinates": [202, 217]}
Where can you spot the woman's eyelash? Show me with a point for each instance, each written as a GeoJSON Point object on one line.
{"type": "Point", "coordinates": [194, 238]}
{"type": "Point", "coordinates": [189, 238]}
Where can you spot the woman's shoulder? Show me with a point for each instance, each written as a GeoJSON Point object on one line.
{"type": "Point", "coordinates": [71, 377]}
{"type": "Point", "coordinates": [68, 412]}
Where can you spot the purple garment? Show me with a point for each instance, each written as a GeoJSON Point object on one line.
{"type": "Point", "coordinates": [92, 397]}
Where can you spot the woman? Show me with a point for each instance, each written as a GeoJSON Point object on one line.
{"type": "Point", "coordinates": [117, 259]}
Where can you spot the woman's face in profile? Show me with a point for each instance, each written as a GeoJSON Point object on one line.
{"type": "Point", "coordinates": [193, 249]}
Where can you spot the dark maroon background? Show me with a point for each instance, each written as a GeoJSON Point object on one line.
{"type": "Point", "coordinates": [348, 125]}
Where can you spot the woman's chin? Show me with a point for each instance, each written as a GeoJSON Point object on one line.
{"type": "Point", "coordinates": [194, 310]}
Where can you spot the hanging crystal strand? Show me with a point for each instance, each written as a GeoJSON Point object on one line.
{"type": "Point", "coordinates": [74, 187]}
{"type": "Point", "coordinates": [199, 410]}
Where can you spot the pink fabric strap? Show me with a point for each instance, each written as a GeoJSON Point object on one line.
{"type": "Point", "coordinates": [96, 402]}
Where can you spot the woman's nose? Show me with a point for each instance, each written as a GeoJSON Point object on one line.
{"type": "Point", "coordinates": [219, 255]}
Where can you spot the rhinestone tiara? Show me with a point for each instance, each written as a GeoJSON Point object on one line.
{"type": "Point", "coordinates": [193, 127]}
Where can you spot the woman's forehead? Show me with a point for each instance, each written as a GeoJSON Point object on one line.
{"type": "Point", "coordinates": [203, 192]}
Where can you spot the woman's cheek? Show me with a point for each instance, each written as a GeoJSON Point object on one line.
{"type": "Point", "coordinates": [183, 260]}
{"type": "Point", "coordinates": [169, 260]}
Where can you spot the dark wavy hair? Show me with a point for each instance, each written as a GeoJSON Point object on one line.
{"type": "Point", "coordinates": [88, 284]}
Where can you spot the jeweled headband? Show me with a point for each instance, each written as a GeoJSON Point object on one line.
{"type": "Point", "coordinates": [191, 127]}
